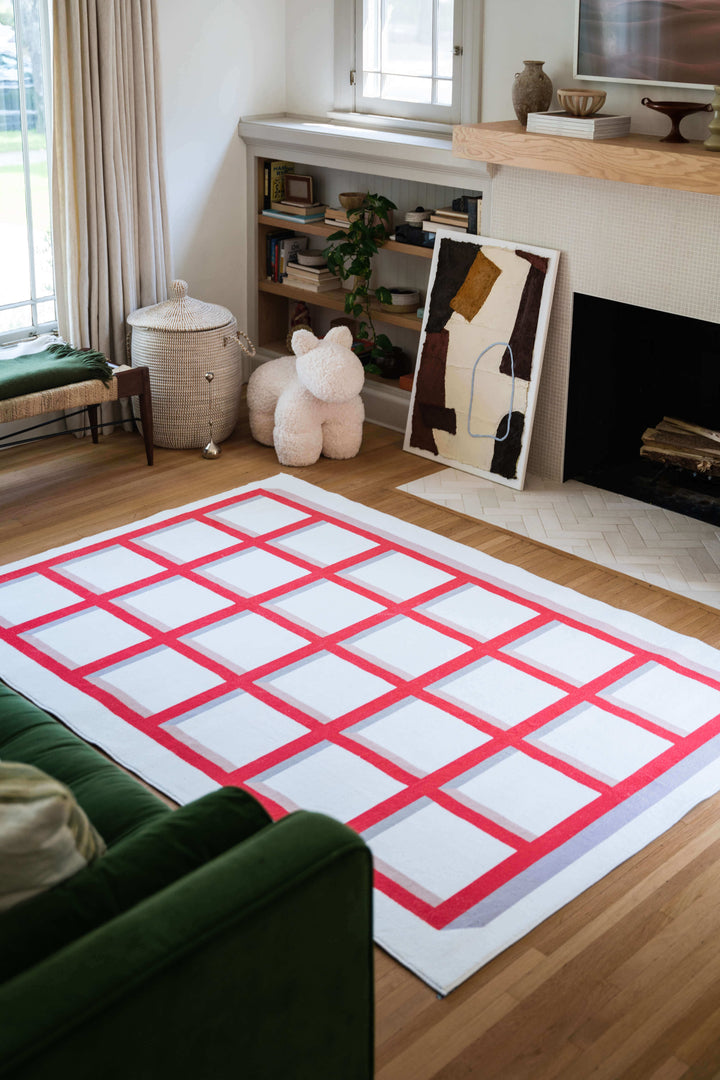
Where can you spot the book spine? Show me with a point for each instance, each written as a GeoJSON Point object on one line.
{"type": "Point", "coordinates": [277, 179]}
{"type": "Point", "coordinates": [266, 185]}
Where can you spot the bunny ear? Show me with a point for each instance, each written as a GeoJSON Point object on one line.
{"type": "Point", "coordinates": [341, 334]}
{"type": "Point", "coordinates": [303, 341]}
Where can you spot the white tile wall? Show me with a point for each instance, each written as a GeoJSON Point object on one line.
{"type": "Point", "coordinates": [640, 245]}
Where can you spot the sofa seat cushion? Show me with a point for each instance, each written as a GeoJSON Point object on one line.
{"type": "Point", "coordinates": [45, 836]}
{"type": "Point", "coordinates": [149, 860]}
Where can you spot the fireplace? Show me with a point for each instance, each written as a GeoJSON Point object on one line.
{"type": "Point", "coordinates": [630, 366]}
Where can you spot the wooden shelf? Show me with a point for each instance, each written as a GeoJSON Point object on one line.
{"type": "Point", "coordinates": [319, 228]}
{"type": "Point", "coordinates": [335, 300]}
{"type": "Point", "coordinates": [633, 159]}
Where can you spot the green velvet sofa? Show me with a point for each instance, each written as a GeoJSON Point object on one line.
{"type": "Point", "coordinates": [208, 942]}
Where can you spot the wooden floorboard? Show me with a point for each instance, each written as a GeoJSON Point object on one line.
{"type": "Point", "coordinates": [621, 984]}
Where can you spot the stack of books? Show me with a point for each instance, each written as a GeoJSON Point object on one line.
{"type": "Point", "coordinates": [297, 212]}
{"type": "Point", "coordinates": [312, 278]}
{"type": "Point", "coordinates": [596, 126]}
{"type": "Point", "coordinates": [337, 217]}
{"type": "Point", "coordinates": [282, 249]}
{"type": "Point", "coordinates": [466, 220]}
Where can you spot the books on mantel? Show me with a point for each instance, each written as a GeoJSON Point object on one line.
{"type": "Point", "coordinates": [596, 126]}
{"type": "Point", "coordinates": [312, 278]}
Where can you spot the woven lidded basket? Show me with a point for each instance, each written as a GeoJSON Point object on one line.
{"type": "Point", "coordinates": [180, 341]}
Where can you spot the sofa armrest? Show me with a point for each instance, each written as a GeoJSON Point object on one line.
{"type": "Point", "coordinates": [257, 964]}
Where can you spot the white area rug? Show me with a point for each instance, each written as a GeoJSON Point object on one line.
{"type": "Point", "coordinates": [501, 743]}
{"type": "Point", "coordinates": [663, 548]}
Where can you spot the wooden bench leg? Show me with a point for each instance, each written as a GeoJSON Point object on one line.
{"type": "Point", "coordinates": [146, 416]}
{"type": "Point", "coordinates": [135, 382]}
{"type": "Point", "coordinates": [93, 421]}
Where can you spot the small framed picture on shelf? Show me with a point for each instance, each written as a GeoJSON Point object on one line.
{"type": "Point", "coordinates": [298, 189]}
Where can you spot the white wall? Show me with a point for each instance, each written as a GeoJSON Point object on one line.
{"type": "Point", "coordinates": [224, 59]}
{"type": "Point", "coordinates": [514, 30]}
{"type": "Point", "coordinates": [219, 60]}
{"type": "Point", "coordinates": [309, 52]}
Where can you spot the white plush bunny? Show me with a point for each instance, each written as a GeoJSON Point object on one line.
{"type": "Point", "coordinates": [309, 404]}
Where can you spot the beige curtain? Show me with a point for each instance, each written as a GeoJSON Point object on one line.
{"type": "Point", "coordinates": [109, 209]}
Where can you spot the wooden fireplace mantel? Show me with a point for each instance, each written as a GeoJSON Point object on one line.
{"type": "Point", "coordinates": [633, 159]}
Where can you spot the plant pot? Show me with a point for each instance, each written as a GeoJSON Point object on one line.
{"type": "Point", "coordinates": [395, 364]}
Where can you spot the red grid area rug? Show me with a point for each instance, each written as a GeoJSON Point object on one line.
{"type": "Point", "coordinates": [500, 742]}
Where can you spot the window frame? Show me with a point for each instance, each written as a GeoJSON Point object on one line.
{"type": "Point", "coordinates": [349, 104]}
{"type": "Point", "coordinates": [35, 328]}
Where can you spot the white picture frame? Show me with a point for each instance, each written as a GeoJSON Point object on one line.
{"type": "Point", "coordinates": [480, 355]}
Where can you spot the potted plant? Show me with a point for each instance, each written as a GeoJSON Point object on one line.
{"type": "Point", "coordinates": [349, 255]}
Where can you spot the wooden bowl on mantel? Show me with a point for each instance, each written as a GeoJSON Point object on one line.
{"type": "Point", "coordinates": [581, 102]}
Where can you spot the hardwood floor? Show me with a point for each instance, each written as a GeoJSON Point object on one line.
{"type": "Point", "coordinates": [624, 982]}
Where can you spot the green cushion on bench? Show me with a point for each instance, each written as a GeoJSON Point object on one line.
{"type": "Point", "coordinates": [153, 857]}
{"type": "Point", "coordinates": [58, 365]}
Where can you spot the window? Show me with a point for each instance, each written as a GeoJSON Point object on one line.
{"type": "Point", "coordinates": [27, 294]}
{"type": "Point", "coordinates": [416, 59]}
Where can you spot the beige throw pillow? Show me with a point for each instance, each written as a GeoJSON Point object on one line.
{"type": "Point", "coordinates": [44, 835]}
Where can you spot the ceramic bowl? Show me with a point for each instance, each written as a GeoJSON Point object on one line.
{"type": "Point", "coordinates": [581, 102]}
{"type": "Point", "coordinates": [416, 217]}
{"type": "Point", "coordinates": [350, 200]}
{"type": "Point", "coordinates": [403, 300]}
{"type": "Point", "coordinates": [311, 258]}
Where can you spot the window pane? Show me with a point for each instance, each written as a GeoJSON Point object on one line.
{"type": "Point", "coordinates": [46, 312]}
{"type": "Point", "coordinates": [18, 318]}
{"type": "Point", "coordinates": [400, 88]}
{"type": "Point", "coordinates": [372, 21]}
{"type": "Point", "coordinates": [445, 40]}
{"type": "Point", "coordinates": [407, 38]}
{"type": "Point", "coordinates": [40, 201]}
{"type": "Point", "coordinates": [443, 91]}
{"type": "Point", "coordinates": [15, 263]}
{"type": "Point", "coordinates": [371, 84]}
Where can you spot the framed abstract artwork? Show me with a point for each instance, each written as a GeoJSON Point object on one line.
{"type": "Point", "coordinates": [480, 355]}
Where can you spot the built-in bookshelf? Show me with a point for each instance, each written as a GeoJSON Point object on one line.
{"type": "Point", "coordinates": [411, 171]}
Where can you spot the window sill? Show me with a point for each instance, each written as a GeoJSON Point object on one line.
{"type": "Point", "coordinates": [286, 135]}
{"type": "Point", "coordinates": [373, 122]}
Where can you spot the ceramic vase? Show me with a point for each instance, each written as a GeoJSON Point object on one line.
{"type": "Point", "coordinates": [713, 140]}
{"type": "Point", "coordinates": [531, 90]}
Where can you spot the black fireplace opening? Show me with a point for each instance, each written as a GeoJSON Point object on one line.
{"type": "Point", "coordinates": [629, 367]}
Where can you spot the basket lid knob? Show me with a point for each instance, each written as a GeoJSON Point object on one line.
{"type": "Point", "coordinates": [179, 289]}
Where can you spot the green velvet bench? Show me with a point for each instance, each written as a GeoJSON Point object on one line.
{"type": "Point", "coordinates": [208, 942]}
{"type": "Point", "coordinates": [61, 378]}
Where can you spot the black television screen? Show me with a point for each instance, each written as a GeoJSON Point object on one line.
{"type": "Point", "coordinates": [666, 42]}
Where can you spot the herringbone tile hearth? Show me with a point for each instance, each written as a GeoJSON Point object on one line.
{"type": "Point", "coordinates": [658, 546]}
